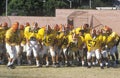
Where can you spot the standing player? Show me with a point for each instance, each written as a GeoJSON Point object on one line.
{"type": "Point", "coordinates": [81, 43]}
{"type": "Point", "coordinates": [49, 41]}
{"type": "Point", "coordinates": [92, 41]}
{"type": "Point", "coordinates": [31, 34]}
{"type": "Point", "coordinates": [58, 44]}
{"type": "Point", "coordinates": [12, 44]}
{"type": "Point", "coordinates": [2, 43]}
{"type": "Point", "coordinates": [111, 43]}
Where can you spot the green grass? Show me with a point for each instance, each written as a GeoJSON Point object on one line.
{"type": "Point", "coordinates": [63, 72]}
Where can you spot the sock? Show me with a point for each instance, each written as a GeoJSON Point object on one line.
{"type": "Point", "coordinates": [70, 62]}
{"type": "Point", "coordinates": [89, 64]}
{"type": "Point", "coordinates": [114, 62]}
{"type": "Point", "coordinates": [12, 61]}
{"type": "Point", "coordinates": [37, 63]}
{"type": "Point", "coordinates": [18, 61]}
{"type": "Point", "coordinates": [47, 63]}
{"type": "Point", "coordinates": [8, 63]}
{"type": "Point", "coordinates": [101, 64]}
{"type": "Point", "coordinates": [66, 61]}
{"type": "Point", "coordinates": [57, 62]}
{"type": "Point", "coordinates": [83, 63]}
{"type": "Point", "coordinates": [93, 63]}
{"type": "Point", "coordinates": [106, 63]}
{"type": "Point", "coordinates": [29, 62]}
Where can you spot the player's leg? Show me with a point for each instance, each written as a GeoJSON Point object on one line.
{"type": "Point", "coordinates": [89, 55]}
{"type": "Point", "coordinates": [57, 51]}
{"type": "Point", "coordinates": [19, 53]}
{"type": "Point", "coordinates": [28, 53]}
{"type": "Point", "coordinates": [12, 55]}
{"type": "Point", "coordinates": [116, 54]}
{"type": "Point", "coordinates": [99, 58]}
{"type": "Point", "coordinates": [52, 53]}
{"type": "Point", "coordinates": [112, 52]}
{"type": "Point", "coordinates": [105, 57]}
{"type": "Point", "coordinates": [36, 54]}
{"type": "Point", "coordinates": [65, 52]}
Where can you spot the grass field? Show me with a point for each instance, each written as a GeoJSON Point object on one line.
{"type": "Point", "coordinates": [62, 72]}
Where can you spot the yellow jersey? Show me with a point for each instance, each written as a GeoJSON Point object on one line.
{"type": "Point", "coordinates": [2, 35]}
{"type": "Point", "coordinates": [29, 33]}
{"type": "Point", "coordinates": [64, 41]}
{"type": "Point", "coordinates": [97, 42]}
{"type": "Point", "coordinates": [49, 40]}
{"type": "Point", "coordinates": [89, 42]}
{"type": "Point", "coordinates": [13, 37]}
{"type": "Point", "coordinates": [59, 39]}
{"type": "Point", "coordinates": [41, 33]}
{"type": "Point", "coordinates": [81, 42]}
{"type": "Point", "coordinates": [23, 40]}
{"type": "Point", "coordinates": [72, 43]}
{"type": "Point", "coordinates": [26, 32]}
{"type": "Point", "coordinates": [77, 30]}
{"type": "Point", "coordinates": [112, 39]}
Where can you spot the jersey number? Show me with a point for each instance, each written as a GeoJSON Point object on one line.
{"type": "Point", "coordinates": [91, 43]}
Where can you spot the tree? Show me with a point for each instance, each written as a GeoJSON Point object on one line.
{"type": "Point", "coordinates": [35, 7]}
{"type": "Point", "coordinates": [102, 3]}
{"type": "Point", "coordinates": [47, 8]}
{"type": "Point", "coordinates": [51, 5]}
{"type": "Point", "coordinates": [25, 7]}
{"type": "Point", "coordinates": [2, 7]}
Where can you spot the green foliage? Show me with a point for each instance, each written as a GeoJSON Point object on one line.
{"type": "Point", "coordinates": [25, 7]}
{"type": "Point", "coordinates": [102, 3]}
{"type": "Point", "coordinates": [50, 6]}
{"type": "Point", "coordinates": [34, 7]}
{"type": "Point", "coordinates": [47, 8]}
{"type": "Point", "coordinates": [2, 7]}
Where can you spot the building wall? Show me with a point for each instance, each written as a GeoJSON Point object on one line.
{"type": "Point", "coordinates": [105, 17]}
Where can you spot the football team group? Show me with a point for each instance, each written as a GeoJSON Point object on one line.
{"type": "Point", "coordinates": [58, 45]}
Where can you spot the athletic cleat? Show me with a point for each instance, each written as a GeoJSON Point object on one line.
{"type": "Point", "coordinates": [114, 66]}
{"type": "Point", "coordinates": [67, 64]}
{"type": "Point", "coordinates": [39, 65]}
{"type": "Point", "coordinates": [88, 66]}
{"type": "Point", "coordinates": [102, 67]}
{"type": "Point", "coordinates": [108, 66]}
{"type": "Point", "coordinates": [55, 66]}
{"type": "Point", "coordinates": [47, 65]}
{"type": "Point", "coordinates": [117, 62]}
{"type": "Point", "coordinates": [11, 66]}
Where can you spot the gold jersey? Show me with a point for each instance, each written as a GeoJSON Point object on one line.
{"type": "Point", "coordinates": [49, 40]}
{"type": "Point", "coordinates": [13, 37]}
{"type": "Point", "coordinates": [112, 39]}
{"type": "Point", "coordinates": [23, 40]}
{"type": "Point", "coordinates": [64, 41]}
{"type": "Point", "coordinates": [59, 39]}
{"type": "Point", "coordinates": [72, 43]}
{"type": "Point", "coordinates": [77, 30]}
{"type": "Point", "coordinates": [29, 33]}
{"type": "Point", "coordinates": [81, 41]}
{"type": "Point", "coordinates": [90, 42]}
{"type": "Point", "coordinates": [2, 35]}
{"type": "Point", "coordinates": [97, 42]}
{"type": "Point", "coordinates": [41, 33]}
